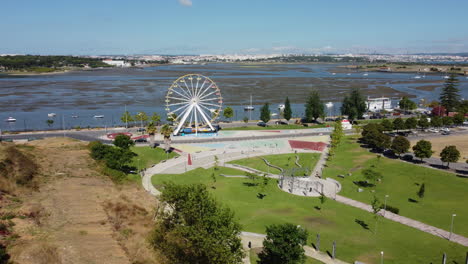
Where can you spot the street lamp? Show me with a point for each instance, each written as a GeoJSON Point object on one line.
{"type": "Point", "coordinates": [381, 257]}
{"type": "Point", "coordinates": [451, 227]}
{"type": "Point", "coordinates": [385, 204]}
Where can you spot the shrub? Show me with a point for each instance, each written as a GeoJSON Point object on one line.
{"type": "Point", "coordinates": [392, 209]}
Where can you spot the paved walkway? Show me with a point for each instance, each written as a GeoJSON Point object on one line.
{"type": "Point", "coordinates": [406, 221]}
{"type": "Point", "coordinates": [256, 241]}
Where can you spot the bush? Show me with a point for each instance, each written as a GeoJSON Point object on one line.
{"type": "Point", "coordinates": [392, 209]}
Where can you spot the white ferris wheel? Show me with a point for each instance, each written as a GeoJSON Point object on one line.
{"type": "Point", "coordinates": [193, 100]}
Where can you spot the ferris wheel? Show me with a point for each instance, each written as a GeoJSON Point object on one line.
{"type": "Point", "coordinates": [193, 100]}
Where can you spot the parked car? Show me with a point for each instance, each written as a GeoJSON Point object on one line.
{"type": "Point", "coordinates": [140, 140]}
{"type": "Point", "coordinates": [433, 130]}
{"type": "Point", "coordinates": [262, 124]}
{"type": "Point", "coordinates": [281, 123]}
{"type": "Point", "coordinates": [445, 133]}
{"type": "Point", "coordinates": [141, 129]}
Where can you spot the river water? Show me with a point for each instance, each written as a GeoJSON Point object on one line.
{"type": "Point", "coordinates": [76, 97]}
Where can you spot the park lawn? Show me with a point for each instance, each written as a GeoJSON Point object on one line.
{"type": "Point", "coordinates": [335, 221]}
{"type": "Point", "coordinates": [147, 156]}
{"type": "Point", "coordinates": [274, 127]}
{"type": "Point", "coordinates": [445, 193]}
{"type": "Point", "coordinates": [285, 161]}
{"type": "Point", "coordinates": [254, 258]}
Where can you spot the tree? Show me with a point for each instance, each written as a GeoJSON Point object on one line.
{"type": "Point", "coordinates": [228, 112]}
{"type": "Point", "coordinates": [449, 154]}
{"type": "Point", "coordinates": [421, 191]}
{"type": "Point", "coordinates": [155, 118]}
{"type": "Point", "coordinates": [314, 107]}
{"type": "Point", "coordinates": [265, 113]}
{"type": "Point", "coordinates": [387, 124]}
{"type": "Point", "coordinates": [411, 123]}
{"type": "Point", "coordinates": [126, 117]}
{"type": "Point", "coordinates": [400, 145]}
{"type": "Point", "coordinates": [287, 112]}
{"type": "Point", "coordinates": [142, 117]}
{"type": "Point", "coordinates": [371, 175]}
{"type": "Point", "coordinates": [450, 95]}
{"type": "Point", "coordinates": [123, 141]}
{"type": "Point", "coordinates": [246, 119]}
{"type": "Point", "coordinates": [406, 104]}
{"type": "Point", "coordinates": [447, 121]}
{"type": "Point", "coordinates": [192, 227]}
{"type": "Point", "coordinates": [458, 119]}
{"type": "Point", "coordinates": [50, 122]}
{"type": "Point", "coordinates": [423, 149]}
{"type": "Point", "coordinates": [423, 123]}
{"type": "Point", "coordinates": [463, 107]}
{"type": "Point", "coordinates": [354, 105]}
{"type": "Point", "coordinates": [436, 121]}
{"type": "Point", "coordinates": [118, 158]}
{"type": "Point", "coordinates": [283, 244]}
{"type": "Point", "coordinates": [152, 130]}
{"type": "Point", "coordinates": [398, 124]}
{"type": "Point", "coordinates": [166, 131]}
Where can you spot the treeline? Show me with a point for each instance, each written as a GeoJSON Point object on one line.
{"type": "Point", "coordinates": [314, 59]}
{"type": "Point", "coordinates": [26, 62]}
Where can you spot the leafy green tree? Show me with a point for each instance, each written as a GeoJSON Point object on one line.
{"type": "Point", "coordinates": [463, 107]}
{"type": "Point", "coordinates": [246, 119]}
{"type": "Point", "coordinates": [126, 117]}
{"type": "Point", "coordinates": [314, 107]}
{"type": "Point", "coordinates": [141, 117]}
{"type": "Point", "coordinates": [400, 145]}
{"type": "Point", "coordinates": [399, 124]}
{"type": "Point", "coordinates": [354, 105]}
{"type": "Point", "coordinates": [192, 227]}
{"type": "Point", "coordinates": [387, 124]}
{"type": "Point", "coordinates": [155, 118]}
{"type": "Point", "coordinates": [284, 244]}
{"type": "Point", "coordinates": [411, 123]}
{"type": "Point", "coordinates": [450, 95]}
{"type": "Point", "coordinates": [407, 104]}
{"type": "Point", "coordinates": [118, 158]}
{"type": "Point", "coordinates": [228, 112]}
{"type": "Point", "coordinates": [423, 123]}
{"type": "Point", "coordinates": [371, 175]}
{"type": "Point", "coordinates": [447, 121]}
{"type": "Point", "coordinates": [50, 122]}
{"type": "Point", "coordinates": [123, 141]}
{"type": "Point", "coordinates": [421, 191]}
{"type": "Point", "coordinates": [287, 112]}
{"type": "Point", "coordinates": [458, 119]}
{"type": "Point", "coordinates": [449, 154]}
{"type": "Point", "coordinates": [265, 113]}
{"type": "Point", "coordinates": [152, 130]}
{"type": "Point", "coordinates": [423, 149]}
{"type": "Point", "coordinates": [436, 121]}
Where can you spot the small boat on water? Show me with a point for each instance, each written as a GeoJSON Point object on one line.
{"type": "Point", "coordinates": [333, 73]}
{"type": "Point", "coordinates": [10, 119]}
{"type": "Point", "coordinates": [51, 114]}
{"type": "Point", "coordinates": [365, 74]}
{"type": "Point", "coordinates": [446, 77]}
{"type": "Point", "coordinates": [74, 116]}
{"type": "Point", "coordinates": [417, 77]}
{"type": "Point", "coordinates": [348, 74]}
{"type": "Point", "coordinates": [249, 107]}
{"type": "Point", "coordinates": [281, 107]}
{"type": "Point", "coordinates": [99, 116]}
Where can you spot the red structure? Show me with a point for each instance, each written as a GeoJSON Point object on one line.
{"type": "Point", "coordinates": [318, 146]}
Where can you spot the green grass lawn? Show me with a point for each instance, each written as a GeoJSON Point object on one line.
{"type": "Point", "coordinates": [445, 193]}
{"type": "Point", "coordinates": [147, 157]}
{"type": "Point", "coordinates": [254, 258]}
{"type": "Point", "coordinates": [335, 221]}
{"type": "Point", "coordinates": [273, 127]}
{"type": "Point", "coordinates": [285, 161]}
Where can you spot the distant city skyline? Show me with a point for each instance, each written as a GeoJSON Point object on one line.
{"type": "Point", "coordinates": [233, 27]}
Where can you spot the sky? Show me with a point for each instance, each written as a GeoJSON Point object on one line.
{"type": "Point", "coordinates": [106, 27]}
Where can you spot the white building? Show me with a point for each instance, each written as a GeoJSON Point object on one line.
{"type": "Point", "coordinates": [117, 63]}
{"type": "Point", "coordinates": [379, 104]}
{"type": "Point", "coordinates": [346, 124]}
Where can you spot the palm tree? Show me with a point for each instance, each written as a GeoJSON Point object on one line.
{"type": "Point", "coordinates": [166, 131]}
{"type": "Point", "coordinates": [152, 130]}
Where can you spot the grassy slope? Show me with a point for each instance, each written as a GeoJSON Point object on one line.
{"type": "Point", "coordinates": [254, 258]}
{"type": "Point", "coordinates": [307, 160]}
{"type": "Point", "coordinates": [445, 193]}
{"type": "Point", "coordinates": [335, 221]}
{"type": "Point", "coordinates": [148, 156]}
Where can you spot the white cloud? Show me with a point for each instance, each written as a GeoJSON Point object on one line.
{"type": "Point", "coordinates": [185, 2]}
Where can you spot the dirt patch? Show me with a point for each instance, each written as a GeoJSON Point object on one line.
{"type": "Point", "coordinates": [314, 221]}
{"type": "Point", "coordinates": [284, 211]}
{"type": "Point", "coordinates": [440, 142]}
{"type": "Point", "coordinates": [71, 217]}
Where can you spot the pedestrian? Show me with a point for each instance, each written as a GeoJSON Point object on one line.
{"type": "Point", "coordinates": [250, 245]}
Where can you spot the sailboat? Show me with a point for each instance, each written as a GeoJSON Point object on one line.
{"type": "Point", "coordinates": [249, 107]}
{"type": "Point", "coordinates": [10, 119]}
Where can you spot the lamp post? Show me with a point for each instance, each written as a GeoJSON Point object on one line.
{"type": "Point", "coordinates": [385, 205]}
{"type": "Point", "coordinates": [381, 257]}
{"type": "Point", "coordinates": [451, 227]}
